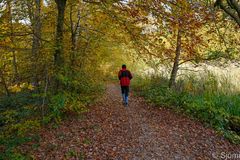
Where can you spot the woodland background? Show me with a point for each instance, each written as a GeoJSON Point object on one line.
{"type": "Point", "coordinates": [56, 57]}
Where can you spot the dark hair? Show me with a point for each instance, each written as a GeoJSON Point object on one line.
{"type": "Point", "coordinates": [124, 66]}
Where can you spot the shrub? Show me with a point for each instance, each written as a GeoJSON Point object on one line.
{"type": "Point", "coordinates": [56, 105]}
{"type": "Point", "coordinates": [200, 98]}
{"type": "Point", "coordinates": [24, 127]}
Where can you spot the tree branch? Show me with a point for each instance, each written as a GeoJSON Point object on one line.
{"type": "Point", "coordinates": [92, 1]}
{"type": "Point", "coordinates": [229, 11]}
{"type": "Point", "coordinates": [236, 6]}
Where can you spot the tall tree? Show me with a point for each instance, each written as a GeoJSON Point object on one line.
{"type": "Point", "coordinates": [75, 30]}
{"type": "Point", "coordinates": [59, 52]}
{"type": "Point", "coordinates": [36, 43]}
{"type": "Point", "coordinates": [14, 59]}
{"type": "Point", "coordinates": [174, 31]}
{"type": "Point", "coordinates": [176, 59]}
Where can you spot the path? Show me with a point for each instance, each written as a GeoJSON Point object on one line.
{"type": "Point", "coordinates": [111, 131]}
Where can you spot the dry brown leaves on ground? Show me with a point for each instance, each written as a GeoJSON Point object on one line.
{"type": "Point", "coordinates": [111, 131]}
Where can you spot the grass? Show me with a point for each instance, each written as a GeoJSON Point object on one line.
{"type": "Point", "coordinates": [202, 97]}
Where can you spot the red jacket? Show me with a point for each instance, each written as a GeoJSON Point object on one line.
{"type": "Point", "coordinates": [124, 76]}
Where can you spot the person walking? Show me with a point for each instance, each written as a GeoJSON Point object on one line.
{"type": "Point", "coordinates": [124, 77]}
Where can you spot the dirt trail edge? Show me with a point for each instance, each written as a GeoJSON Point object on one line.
{"type": "Point", "coordinates": [111, 131]}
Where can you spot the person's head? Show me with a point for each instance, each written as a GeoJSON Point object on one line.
{"type": "Point", "coordinates": [124, 66]}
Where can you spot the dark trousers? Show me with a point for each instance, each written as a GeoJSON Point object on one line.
{"type": "Point", "coordinates": [125, 90]}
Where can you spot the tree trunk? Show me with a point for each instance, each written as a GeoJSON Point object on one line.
{"type": "Point", "coordinates": [15, 68]}
{"type": "Point", "coordinates": [59, 54]}
{"type": "Point", "coordinates": [14, 59]}
{"type": "Point", "coordinates": [36, 43]}
{"type": "Point", "coordinates": [176, 60]}
{"type": "Point", "coordinates": [4, 83]}
{"type": "Point", "coordinates": [73, 37]}
{"type": "Point", "coordinates": [75, 29]}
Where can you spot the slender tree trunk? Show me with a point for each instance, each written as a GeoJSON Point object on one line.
{"type": "Point", "coordinates": [36, 43]}
{"type": "Point", "coordinates": [59, 53]}
{"type": "Point", "coordinates": [73, 36]}
{"type": "Point", "coordinates": [176, 60]}
{"type": "Point", "coordinates": [45, 91]}
{"type": "Point", "coordinates": [75, 29]}
{"type": "Point", "coordinates": [14, 59]}
{"type": "Point", "coordinates": [15, 68]}
{"type": "Point", "coordinates": [4, 83]}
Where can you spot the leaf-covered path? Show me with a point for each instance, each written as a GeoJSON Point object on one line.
{"type": "Point", "coordinates": [111, 131]}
